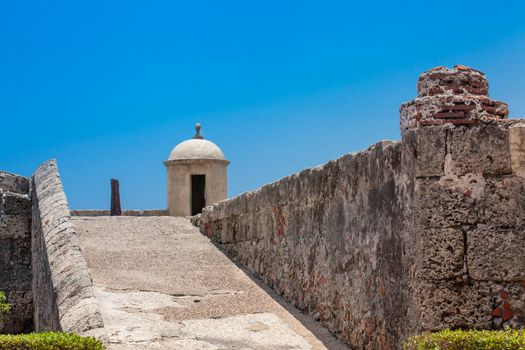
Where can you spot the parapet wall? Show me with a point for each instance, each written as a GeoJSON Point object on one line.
{"type": "Point", "coordinates": [15, 252]}
{"type": "Point", "coordinates": [63, 289]}
{"type": "Point", "coordinates": [420, 235]}
{"type": "Point", "coordinates": [330, 240]}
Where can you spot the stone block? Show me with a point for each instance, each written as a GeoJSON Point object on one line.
{"type": "Point", "coordinates": [496, 254]}
{"type": "Point", "coordinates": [446, 304]}
{"type": "Point", "coordinates": [21, 276]}
{"type": "Point", "coordinates": [502, 203]}
{"type": "Point", "coordinates": [444, 203]}
{"type": "Point", "coordinates": [6, 249]}
{"type": "Point", "coordinates": [13, 183]}
{"type": "Point", "coordinates": [482, 149]}
{"type": "Point", "coordinates": [227, 230]}
{"type": "Point", "coordinates": [15, 251]}
{"type": "Point", "coordinates": [429, 151]}
{"type": "Point", "coordinates": [442, 254]}
{"type": "Point", "coordinates": [14, 275]}
{"type": "Point", "coordinates": [14, 204]}
{"type": "Point", "coordinates": [15, 226]}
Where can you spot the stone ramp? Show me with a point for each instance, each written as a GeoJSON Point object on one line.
{"type": "Point", "coordinates": [163, 285]}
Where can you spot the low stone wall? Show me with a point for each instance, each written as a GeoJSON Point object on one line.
{"type": "Point", "coordinates": [15, 252]}
{"type": "Point", "coordinates": [420, 235]}
{"type": "Point", "coordinates": [332, 240]}
{"type": "Point", "coordinates": [97, 212]}
{"type": "Point", "coordinates": [63, 290]}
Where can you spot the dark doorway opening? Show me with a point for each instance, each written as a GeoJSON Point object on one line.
{"type": "Point", "coordinates": [198, 198]}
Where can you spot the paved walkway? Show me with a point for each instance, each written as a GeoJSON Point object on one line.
{"type": "Point", "coordinates": [163, 285]}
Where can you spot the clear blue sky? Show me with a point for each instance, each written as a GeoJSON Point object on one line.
{"type": "Point", "coordinates": [110, 87]}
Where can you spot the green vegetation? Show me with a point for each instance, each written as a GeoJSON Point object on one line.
{"type": "Point", "coordinates": [4, 306]}
{"type": "Point", "coordinates": [43, 341]}
{"type": "Point", "coordinates": [49, 341]}
{"type": "Point", "coordinates": [468, 340]}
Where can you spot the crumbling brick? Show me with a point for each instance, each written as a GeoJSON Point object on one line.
{"type": "Point", "coordinates": [458, 96]}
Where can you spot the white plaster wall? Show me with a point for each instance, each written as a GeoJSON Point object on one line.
{"type": "Point", "coordinates": [179, 183]}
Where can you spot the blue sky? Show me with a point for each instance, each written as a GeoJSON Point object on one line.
{"type": "Point", "coordinates": [110, 87]}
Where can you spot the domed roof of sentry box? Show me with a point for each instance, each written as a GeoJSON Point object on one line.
{"type": "Point", "coordinates": [196, 148]}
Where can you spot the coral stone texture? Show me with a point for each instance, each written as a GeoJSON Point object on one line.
{"type": "Point", "coordinates": [458, 96]}
{"type": "Point", "coordinates": [163, 285]}
{"type": "Point", "coordinates": [15, 251]}
{"type": "Point", "coordinates": [418, 235]}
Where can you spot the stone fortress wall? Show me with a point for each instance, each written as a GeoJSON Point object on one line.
{"type": "Point", "coordinates": [64, 297]}
{"type": "Point", "coordinates": [422, 234]}
{"type": "Point", "coordinates": [331, 240]}
{"type": "Point", "coordinates": [41, 266]}
{"type": "Point", "coordinates": [15, 251]}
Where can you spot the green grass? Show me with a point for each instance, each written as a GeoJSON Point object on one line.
{"type": "Point", "coordinates": [468, 340]}
{"type": "Point", "coordinates": [4, 306]}
{"type": "Point", "coordinates": [49, 341]}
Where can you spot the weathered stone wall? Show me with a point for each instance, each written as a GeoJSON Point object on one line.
{"type": "Point", "coordinates": [405, 237]}
{"type": "Point", "coordinates": [332, 240]}
{"type": "Point", "coordinates": [470, 200]}
{"type": "Point", "coordinates": [15, 252]}
{"type": "Point", "coordinates": [469, 218]}
{"type": "Point", "coordinates": [63, 290]}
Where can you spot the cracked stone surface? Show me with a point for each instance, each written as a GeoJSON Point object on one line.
{"type": "Point", "coordinates": [163, 285]}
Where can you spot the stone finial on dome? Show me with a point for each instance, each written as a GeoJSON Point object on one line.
{"type": "Point", "coordinates": [198, 132]}
{"type": "Point", "coordinates": [197, 148]}
{"type": "Point", "coordinates": [458, 96]}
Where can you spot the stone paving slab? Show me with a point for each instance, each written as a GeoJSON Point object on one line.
{"type": "Point", "coordinates": [163, 285]}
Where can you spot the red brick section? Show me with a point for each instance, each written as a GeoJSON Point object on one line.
{"type": "Point", "coordinates": [509, 305]}
{"type": "Point", "coordinates": [459, 80]}
{"type": "Point", "coordinates": [498, 312]}
{"type": "Point", "coordinates": [507, 312]}
{"type": "Point", "coordinates": [427, 122]}
{"type": "Point", "coordinates": [458, 96]}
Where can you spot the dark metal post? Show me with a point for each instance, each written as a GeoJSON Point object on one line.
{"type": "Point", "coordinates": [115, 198]}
